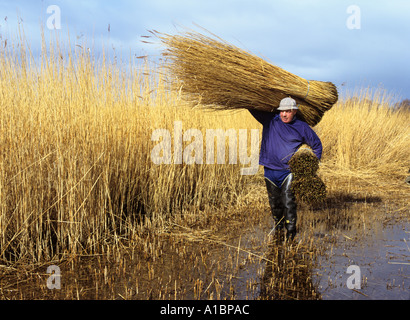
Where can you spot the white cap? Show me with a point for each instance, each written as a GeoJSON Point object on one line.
{"type": "Point", "coordinates": [287, 104]}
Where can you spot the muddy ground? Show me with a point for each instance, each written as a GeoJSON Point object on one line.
{"type": "Point", "coordinates": [230, 254]}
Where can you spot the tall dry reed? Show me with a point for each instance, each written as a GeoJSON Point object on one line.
{"type": "Point", "coordinates": [76, 172]}
{"type": "Point", "coordinates": [365, 135]}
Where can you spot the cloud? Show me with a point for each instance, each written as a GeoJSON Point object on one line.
{"type": "Point", "coordinates": [309, 38]}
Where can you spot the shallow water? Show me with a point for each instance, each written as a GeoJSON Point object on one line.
{"type": "Point", "coordinates": [241, 261]}
{"type": "Point", "coordinates": [383, 260]}
{"type": "Point", "coordinates": [371, 239]}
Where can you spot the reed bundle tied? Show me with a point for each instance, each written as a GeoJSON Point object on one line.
{"type": "Point", "coordinates": [215, 74]}
{"type": "Point", "coordinates": [306, 184]}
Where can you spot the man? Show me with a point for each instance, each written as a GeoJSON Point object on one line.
{"type": "Point", "coordinates": [282, 135]}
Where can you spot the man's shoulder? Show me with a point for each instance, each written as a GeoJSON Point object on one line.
{"type": "Point", "coordinates": [300, 123]}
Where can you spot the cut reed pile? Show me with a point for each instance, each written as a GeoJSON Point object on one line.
{"type": "Point", "coordinates": [218, 75]}
{"type": "Point", "coordinates": [307, 185]}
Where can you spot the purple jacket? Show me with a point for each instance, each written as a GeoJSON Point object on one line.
{"type": "Point", "coordinates": [281, 140]}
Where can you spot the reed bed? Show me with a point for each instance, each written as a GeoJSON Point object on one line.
{"type": "Point", "coordinates": [364, 136]}
{"type": "Point", "coordinates": [215, 74]}
{"type": "Point", "coordinates": [76, 174]}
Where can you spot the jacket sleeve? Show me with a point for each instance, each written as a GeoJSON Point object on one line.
{"type": "Point", "coordinates": [263, 117]}
{"type": "Point", "coordinates": [313, 141]}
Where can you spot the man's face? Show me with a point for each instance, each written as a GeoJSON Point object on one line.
{"type": "Point", "coordinates": [287, 115]}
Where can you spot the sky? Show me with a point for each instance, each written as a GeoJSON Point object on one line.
{"type": "Point", "coordinates": [352, 43]}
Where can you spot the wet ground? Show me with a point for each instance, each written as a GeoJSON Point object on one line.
{"type": "Point", "coordinates": [351, 247]}
{"type": "Point", "coordinates": [381, 253]}
{"type": "Point", "coordinates": [366, 258]}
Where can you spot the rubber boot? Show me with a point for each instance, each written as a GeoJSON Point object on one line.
{"type": "Point", "coordinates": [275, 202]}
{"type": "Point", "coordinates": [289, 204]}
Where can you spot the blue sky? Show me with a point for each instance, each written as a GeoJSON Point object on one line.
{"type": "Point", "coordinates": [310, 38]}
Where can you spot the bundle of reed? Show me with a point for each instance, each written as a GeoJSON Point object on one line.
{"type": "Point", "coordinates": [215, 74]}
{"type": "Point", "coordinates": [306, 184]}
